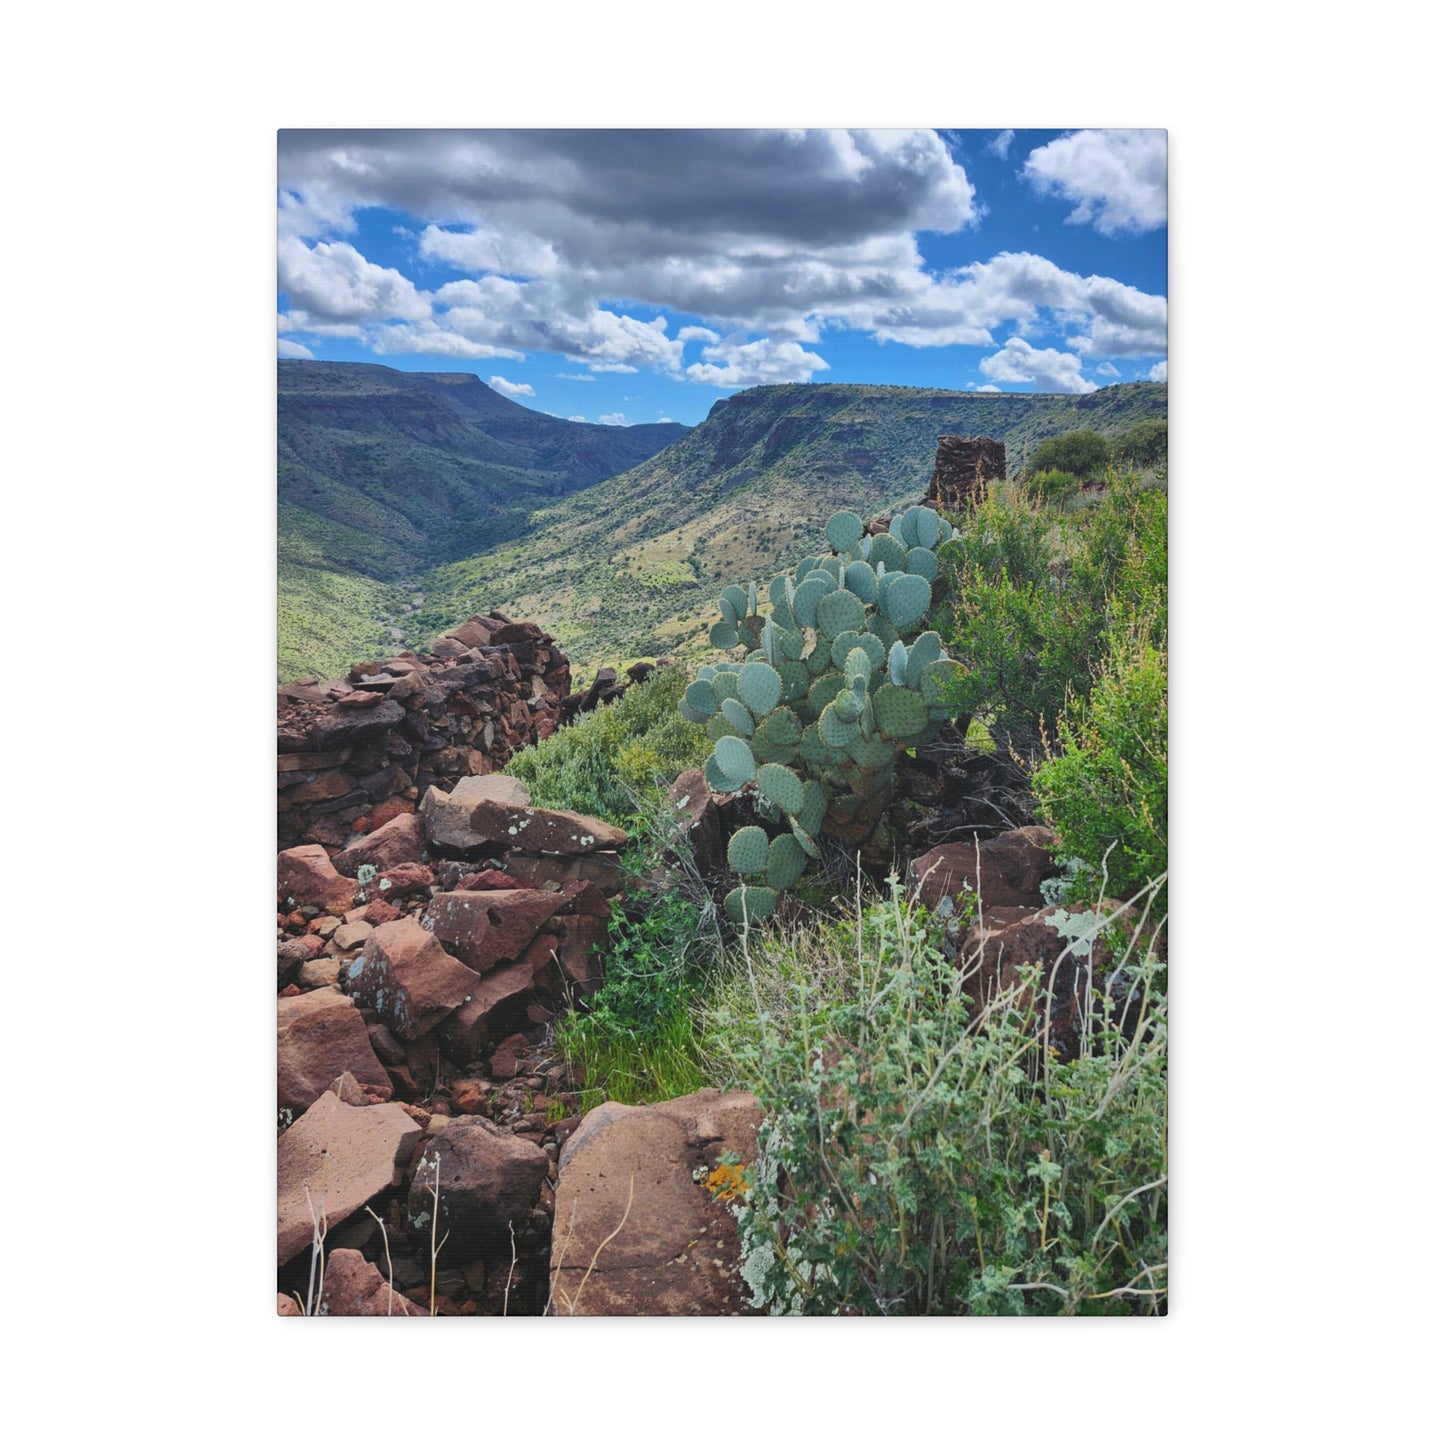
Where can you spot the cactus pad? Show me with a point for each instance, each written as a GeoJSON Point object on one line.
{"type": "Point", "coordinates": [806, 599]}
{"type": "Point", "coordinates": [759, 688]}
{"type": "Point", "coordinates": [786, 862]}
{"type": "Point", "coordinates": [899, 712]}
{"type": "Point", "coordinates": [840, 611]}
{"type": "Point", "coordinates": [735, 597]}
{"type": "Point", "coordinates": [898, 664]}
{"type": "Point", "coordinates": [843, 530]}
{"type": "Point", "coordinates": [735, 759]}
{"type": "Point", "coordinates": [781, 786]}
{"type": "Point", "coordinates": [923, 563]}
{"type": "Point", "coordinates": [927, 647]}
{"type": "Point", "coordinates": [924, 531]}
{"type": "Point", "coordinates": [723, 634]}
{"type": "Point", "coordinates": [862, 581]}
{"type": "Point", "coordinates": [749, 905]}
{"type": "Point", "coordinates": [700, 698]}
{"type": "Point", "coordinates": [904, 599]}
{"type": "Point", "coordinates": [738, 716]}
{"type": "Point", "coordinates": [748, 850]}
{"type": "Point", "coordinates": [834, 730]}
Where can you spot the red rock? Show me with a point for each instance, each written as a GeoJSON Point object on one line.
{"type": "Point", "coordinates": [354, 1286]}
{"type": "Point", "coordinates": [447, 816]}
{"type": "Point", "coordinates": [324, 786]}
{"type": "Point", "coordinates": [1004, 872]}
{"type": "Point", "coordinates": [402, 840]}
{"type": "Point", "coordinates": [343, 1156]}
{"type": "Point", "coordinates": [305, 875]}
{"type": "Point", "coordinates": [285, 1305]}
{"type": "Point", "coordinates": [696, 808]}
{"type": "Point", "coordinates": [471, 1096]}
{"type": "Point", "coordinates": [554, 832]}
{"type": "Point", "coordinates": [466, 1031]}
{"type": "Point", "coordinates": [580, 966]}
{"type": "Point", "coordinates": [483, 928]}
{"type": "Point", "coordinates": [489, 878]}
{"type": "Point", "coordinates": [677, 1252]}
{"type": "Point", "coordinates": [408, 978]}
{"type": "Point", "coordinates": [290, 991]}
{"type": "Point", "coordinates": [405, 880]}
{"type": "Point", "coordinates": [359, 699]}
{"type": "Point", "coordinates": [582, 897]}
{"type": "Point", "coordinates": [380, 912]}
{"type": "Point", "coordinates": [483, 1179]}
{"type": "Point", "coordinates": [603, 869]}
{"type": "Point", "coordinates": [320, 1035]}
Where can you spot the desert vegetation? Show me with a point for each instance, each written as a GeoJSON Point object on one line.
{"type": "Point", "coordinates": [928, 1146]}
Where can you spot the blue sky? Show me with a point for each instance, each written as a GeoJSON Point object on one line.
{"type": "Point", "coordinates": [638, 276]}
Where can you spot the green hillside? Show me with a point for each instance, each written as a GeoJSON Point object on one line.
{"type": "Point", "coordinates": [632, 567]}
{"type": "Point", "coordinates": [382, 474]}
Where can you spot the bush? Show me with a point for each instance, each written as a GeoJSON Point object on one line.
{"type": "Point", "coordinates": [1080, 453]}
{"type": "Point", "coordinates": [1054, 486]}
{"type": "Point", "coordinates": [1105, 790]}
{"type": "Point", "coordinates": [1033, 596]}
{"type": "Point", "coordinates": [1145, 444]}
{"type": "Point", "coordinates": [920, 1159]}
{"type": "Point", "coordinates": [609, 761]}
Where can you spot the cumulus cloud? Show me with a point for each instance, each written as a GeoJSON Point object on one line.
{"type": "Point", "coordinates": [1000, 143]}
{"type": "Point", "coordinates": [510, 388]}
{"type": "Point", "coordinates": [732, 361]}
{"type": "Point", "coordinates": [576, 418]}
{"type": "Point", "coordinates": [771, 237]}
{"type": "Point", "coordinates": [1159, 371]}
{"type": "Point", "coordinates": [613, 418]}
{"type": "Point", "coordinates": [1115, 178]}
{"type": "Point", "coordinates": [286, 347]}
{"type": "Point", "coordinates": [1106, 368]}
{"type": "Point", "coordinates": [1021, 363]}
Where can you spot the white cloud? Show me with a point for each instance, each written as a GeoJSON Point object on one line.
{"type": "Point", "coordinates": [1000, 143]}
{"type": "Point", "coordinates": [1116, 178]}
{"type": "Point", "coordinates": [1021, 363]}
{"type": "Point", "coordinates": [778, 236]}
{"type": "Point", "coordinates": [735, 362]}
{"type": "Point", "coordinates": [576, 418]}
{"type": "Point", "coordinates": [1159, 371]}
{"type": "Point", "coordinates": [989, 386]}
{"type": "Point", "coordinates": [285, 347]}
{"type": "Point", "coordinates": [613, 418]}
{"type": "Point", "coordinates": [335, 282]}
{"type": "Point", "coordinates": [510, 388]}
{"type": "Point", "coordinates": [1107, 368]}
{"type": "Point", "coordinates": [574, 376]}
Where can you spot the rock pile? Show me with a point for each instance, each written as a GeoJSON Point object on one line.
{"type": "Point", "coordinates": [356, 752]}
{"type": "Point", "coordinates": [962, 469]}
{"type": "Point", "coordinates": [418, 973]}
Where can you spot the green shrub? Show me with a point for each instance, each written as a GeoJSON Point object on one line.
{"type": "Point", "coordinates": [1105, 788]}
{"type": "Point", "coordinates": [1054, 486]}
{"type": "Point", "coordinates": [1080, 453]}
{"type": "Point", "coordinates": [637, 1041]}
{"type": "Point", "coordinates": [1145, 444]}
{"type": "Point", "coordinates": [917, 1158]}
{"type": "Point", "coordinates": [1033, 596]}
{"type": "Point", "coordinates": [610, 759]}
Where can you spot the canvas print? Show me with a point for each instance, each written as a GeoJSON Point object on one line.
{"type": "Point", "coordinates": [722, 723]}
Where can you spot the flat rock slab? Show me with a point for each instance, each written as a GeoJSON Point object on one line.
{"type": "Point", "coordinates": [319, 1037]}
{"type": "Point", "coordinates": [408, 978]}
{"type": "Point", "coordinates": [553, 832]}
{"type": "Point", "coordinates": [345, 1157]}
{"type": "Point", "coordinates": [447, 816]}
{"type": "Point", "coordinates": [677, 1252]}
{"type": "Point", "coordinates": [603, 869]}
{"type": "Point", "coordinates": [1004, 872]}
{"type": "Point", "coordinates": [484, 927]}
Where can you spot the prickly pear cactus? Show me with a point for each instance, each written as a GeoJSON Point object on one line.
{"type": "Point", "coordinates": [835, 681]}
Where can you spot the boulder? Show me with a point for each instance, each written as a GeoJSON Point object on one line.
{"type": "Point", "coordinates": [697, 811]}
{"type": "Point", "coordinates": [354, 1286]}
{"type": "Point", "coordinates": [646, 1169]}
{"type": "Point", "coordinates": [408, 978]}
{"type": "Point", "coordinates": [603, 869]}
{"type": "Point", "coordinates": [468, 1030]}
{"type": "Point", "coordinates": [447, 816]}
{"type": "Point", "coordinates": [483, 928]}
{"type": "Point", "coordinates": [484, 1178]}
{"type": "Point", "coordinates": [343, 1157]}
{"type": "Point", "coordinates": [320, 1035]}
{"type": "Point", "coordinates": [402, 840]}
{"type": "Point", "coordinates": [1005, 872]}
{"type": "Point", "coordinates": [306, 875]}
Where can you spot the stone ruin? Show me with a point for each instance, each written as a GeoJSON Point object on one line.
{"type": "Point", "coordinates": [962, 469]}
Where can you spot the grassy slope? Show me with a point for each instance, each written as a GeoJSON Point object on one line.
{"type": "Point", "coordinates": [382, 474]}
{"type": "Point", "coordinates": [633, 566]}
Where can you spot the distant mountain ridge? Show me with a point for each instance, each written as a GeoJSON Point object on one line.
{"type": "Point", "coordinates": [383, 474]}
{"type": "Point", "coordinates": [633, 567]}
